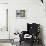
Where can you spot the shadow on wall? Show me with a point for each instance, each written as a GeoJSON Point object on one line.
{"type": "Point", "coordinates": [41, 34]}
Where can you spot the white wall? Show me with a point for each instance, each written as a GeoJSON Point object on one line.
{"type": "Point", "coordinates": [3, 34]}
{"type": "Point", "coordinates": [35, 12]}
{"type": "Point", "coordinates": [3, 1]}
{"type": "Point", "coordinates": [3, 21]}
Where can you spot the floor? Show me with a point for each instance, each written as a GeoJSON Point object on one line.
{"type": "Point", "coordinates": [23, 44]}
{"type": "Point", "coordinates": [26, 44]}
{"type": "Point", "coordinates": [5, 44]}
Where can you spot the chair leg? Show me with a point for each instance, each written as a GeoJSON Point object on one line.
{"type": "Point", "coordinates": [32, 42]}
{"type": "Point", "coordinates": [20, 42]}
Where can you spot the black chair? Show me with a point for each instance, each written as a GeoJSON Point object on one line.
{"type": "Point", "coordinates": [32, 29]}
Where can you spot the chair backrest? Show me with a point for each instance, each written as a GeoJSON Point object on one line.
{"type": "Point", "coordinates": [33, 28]}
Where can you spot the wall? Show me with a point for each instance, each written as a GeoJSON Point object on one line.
{"type": "Point", "coordinates": [3, 1]}
{"type": "Point", "coordinates": [35, 12]}
{"type": "Point", "coordinates": [3, 21]}
{"type": "Point", "coordinates": [3, 34]}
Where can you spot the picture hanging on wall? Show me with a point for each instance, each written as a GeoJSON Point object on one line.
{"type": "Point", "coordinates": [20, 13]}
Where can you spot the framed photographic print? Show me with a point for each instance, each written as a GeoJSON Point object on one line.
{"type": "Point", "coordinates": [20, 13]}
